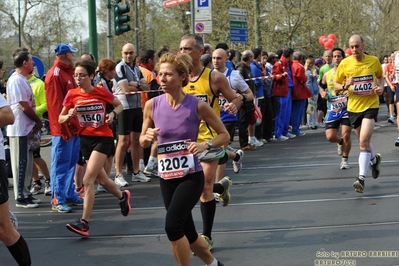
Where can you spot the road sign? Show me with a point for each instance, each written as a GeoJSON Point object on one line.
{"type": "Point", "coordinates": [203, 14]}
{"type": "Point", "coordinates": [203, 27]}
{"type": "Point", "coordinates": [239, 38]}
{"type": "Point", "coordinates": [39, 67]}
{"type": "Point", "coordinates": [237, 18]}
{"type": "Point", "coordinates": [238, 32]}
{"type": "Point", "coordinates": [238, 25]}
{"type": "Point", "coordinates": [199, 27]}
{"type": "Point", "coordinates": [237, 11]}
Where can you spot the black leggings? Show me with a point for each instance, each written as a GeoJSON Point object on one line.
{"type": "Point", "coordinates": [180, 196]}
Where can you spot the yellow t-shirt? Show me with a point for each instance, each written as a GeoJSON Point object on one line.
{"type": "Point", "coordinates": [365, 74]}
{"type": "Point", "coordinates": [330, 75]}
{"type": "Point", "coordinates": [201, 88]}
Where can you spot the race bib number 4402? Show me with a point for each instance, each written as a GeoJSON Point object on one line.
{"type": "Point", "coordinates": [363, 85]}
{"type": "Point", "coordinates": [174, 160]}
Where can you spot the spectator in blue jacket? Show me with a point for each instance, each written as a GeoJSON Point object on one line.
{"type": "Point", "coordinates": [258, 74]}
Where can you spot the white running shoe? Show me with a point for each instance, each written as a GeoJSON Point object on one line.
{"type": "Point", "coordinates": [37, 189]}
{"type": "Point", "coordinates": [282, 138]}
{"type": "Point", "coordinates": [120, 180]}
{"type": "Point", "coordinates": [237, 165]}
{"type": "Point", "coordinates": [290, 136]}
{"type": "Point", "coordinates": [140, 177]}
{"type": "Point", "coordinates": [344, 165]}
{"type": "Point", "coordinates": [254, 141]}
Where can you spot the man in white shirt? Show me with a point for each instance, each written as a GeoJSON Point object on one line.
{"type": "Point", "coordinates": [20, 97]}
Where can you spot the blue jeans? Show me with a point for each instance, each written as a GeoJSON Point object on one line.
{"type": "Point", "coordinates": [64, 155]}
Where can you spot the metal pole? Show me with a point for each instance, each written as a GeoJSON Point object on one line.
{"type": "Point", "coordinates": [93, 29]}
{"type": "Point", "coordinates": [193, 16]}
{"type": "Point", "coordinates": [109, 33]}
{"type": "Point", "coordinates": [19, 23]}
{"type": "Point", "coordinates": [136, 26]}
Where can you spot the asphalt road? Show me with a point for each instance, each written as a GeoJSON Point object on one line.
{"type": "Point", "coordinates": [291, 205]}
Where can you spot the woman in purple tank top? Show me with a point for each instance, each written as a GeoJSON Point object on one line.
{"type": "Point", "coordinates": [173, 119]}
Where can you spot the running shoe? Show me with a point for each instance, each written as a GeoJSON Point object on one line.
{"type": "Point", "coordinates": [208, 241]}
{"type": "Point", "coordinates": [300, 134]}
{"type": "Point", "coordinates": [125, 203]}
{"type": "Point", "coordinates": [225, 196]}
{"type": "Point", "coordinates": [36, 188]}
{"type": "Point", "coordinates": [290, 136]}
{"type": "Point", "coordinates": [344, 165]}
{"type": "Point", "coordinates": [237, 165]}
{"type": "Point", "coordinates": [255, 142]}
{"type": "Point", "coordinates": [359, 184]}
{"type": "Point", "coordinates": [80, 227]}
{"type": "Point", "coordinates": [34, 200]}
{"type": "Point", "coordinates": [375, 168]}
{"type": "Point", "coordinates": [151, 171]}
{"type": "Point", "coordinates": [220, 264]}
{"type": "Point", "coordinates": [47, 188]}
{"type": "Point", "coordinates": [391, 120]}
{"type": "Point", "coordinates": [339, 149]}
{"type": "Point", "coordinates": [62, 208]}
{"type": "Point", "coordinates": [283, 138]}
{"type": "Point", "coordinates": [140, 177]}
{"type": "Point", "coordinates": [397, 142]}
{"type": "Point", "coordinates": [26, 203]}
{"type": "Point", "coordinates": [120, 180]}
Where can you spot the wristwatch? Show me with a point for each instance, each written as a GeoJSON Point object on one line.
{"type": "Point", "coordinates": [209, 143]}
{"type": "Point", "coordinates": [244, 97]}
{"type": "Point", "coordinates": [344, 87]}
{"type": "Point", "coordinates": [138, 84]}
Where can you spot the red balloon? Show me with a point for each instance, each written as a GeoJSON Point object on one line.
{"type": "Point", "coordinates": [328, 45]}
{"type": "Point", "coordinates": [348, 51]}
{"type": "Point", "coordinates": [332, 36]}
{"type": "Point", "coordinates": [330, 41]}
{"type": "Point", "coordinates": [321, 40]}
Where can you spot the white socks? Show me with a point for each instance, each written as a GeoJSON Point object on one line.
{"type": "Point", "coordinates": [364, 162]}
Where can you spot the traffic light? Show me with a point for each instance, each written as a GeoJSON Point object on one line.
{"type": "Point", "coordinates": [120, 18]}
